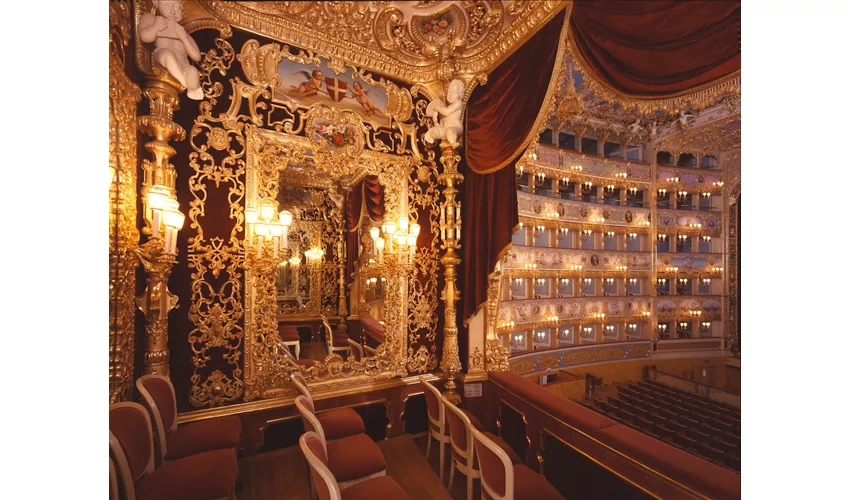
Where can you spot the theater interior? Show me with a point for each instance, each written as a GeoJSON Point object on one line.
{"type": "Point", "coordinates": [424, 249]}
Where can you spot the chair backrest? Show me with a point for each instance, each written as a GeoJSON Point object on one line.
{"type": "Point", "coordinates": [301, 383]}
{"type": "Point", "coordinates": [308, 416]}
{"type": "Point", "coordinates": [459, 425]}
{"type": "Point", "coordinates": [284, 349]}
{"type": "Point", "coordinates": [158, 396]}
{"type": "Point", "coordinates": [326, 486]}
{"type": "Point", "coordinates": [329, 335]}
{"type": "Point", "coordinates": [497, 472]}
{"type": "Point", "coordinates": [113, 481]}
{"type": "Point", "coordinates": [434, 402]}
{"type": "Point", "coordinates": [131, 443]}
{"type": "Point", "coordinates": [356, 349]}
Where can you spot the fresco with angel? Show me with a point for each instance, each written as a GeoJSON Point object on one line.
{"type": "Point", "coordinates": [304, 84]}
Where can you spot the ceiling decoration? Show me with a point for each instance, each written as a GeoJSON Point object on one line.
{"type": "Point", "coordinates": [413, 42]}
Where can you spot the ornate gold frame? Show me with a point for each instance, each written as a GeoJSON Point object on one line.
{"type": "Point", "coordinates": [270, 155]}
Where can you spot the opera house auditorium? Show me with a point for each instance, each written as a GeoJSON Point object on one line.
{"type": "Point", "coordinates": [433, 249]}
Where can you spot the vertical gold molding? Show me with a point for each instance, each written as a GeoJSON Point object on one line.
{"type": "Point", "coordinates": [163, 92]}
{"type": "Point", "coordinates": [123, 234]}
{"type": "Point", "coordinates": [450, 226]}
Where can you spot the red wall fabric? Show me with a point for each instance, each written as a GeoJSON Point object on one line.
{"type": "Point", "coordinates": [653, 48]}
{"type": "Point", "coordinates": [499, 120]}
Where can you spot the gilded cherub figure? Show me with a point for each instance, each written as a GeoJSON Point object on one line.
{"type": "Point", "coordinates": [447, 116]}
{"type": "Point", "coordinates": [173, 46]}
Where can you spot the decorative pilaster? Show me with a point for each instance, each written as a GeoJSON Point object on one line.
{"type": "Point", "coordinates": [158, 254]}
{"type": "Point", "coordinates": [450, 227]}
{"type": "Point", "coordinates": [496, 354]}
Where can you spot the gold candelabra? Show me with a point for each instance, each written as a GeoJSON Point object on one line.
{"type": "Point", "coordinates": [162, 215]}
{"type": "Point", "coordinates": [450, 227]}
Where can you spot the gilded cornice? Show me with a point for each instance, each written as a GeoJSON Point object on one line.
{"type": "Point", "coordinates": [378, 36]}
{"type": "Point", "coordinates": [713, 138]}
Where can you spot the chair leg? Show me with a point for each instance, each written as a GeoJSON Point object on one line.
{"type": "Point", "coordinates": [452, 474]}
{"type": "Point", "coordinates": [428, 448]}
{"type": "Point", "coordinates": [442, 462]}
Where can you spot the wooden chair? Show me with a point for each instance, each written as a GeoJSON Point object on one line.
{"type": "Point", "coordinates": [356, 349]}
{"type": "Point", "coordinates": [338, 422]}
{"type": "Point", "coordinates": [351, 459]}
{"type": "Point", "coordinates": [437, 428]}
{"type": "Point", "coordinates": [337, 341]}
{"type": "Point", "coordinates": [113, 481]}
{"type": "Point", "coordinates": [203, 476]}
{"type": "Point", "coordinates": [463, 451]}
{"type": "Point", "coordinates": [503, 480]}
{"type": "Point", "coordinates": [178, 442]}
{"type": "Point", "coordinates": [291, 338]}
{"type": "Point", "coordinates": [326, 484]}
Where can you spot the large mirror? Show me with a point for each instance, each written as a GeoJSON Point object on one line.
{"type": "Point", "coordinates": [329, 245]}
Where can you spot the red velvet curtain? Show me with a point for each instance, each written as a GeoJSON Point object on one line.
{"type": "Point", "coordinates": [652, 48]}
{"type": "Point", "coordinates": [500, 118]}
{"type": "Point", "coordinates": [368, 192]}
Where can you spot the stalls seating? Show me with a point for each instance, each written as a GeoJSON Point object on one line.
{"type": "Point", "coordinates": [326, 485]}
{"type": "Point", "coordinates": [178, 442]}
{"type": "Point", "coordinates": [350, 459]}
{"type": "Point", "coordinates": [337, 423]}
{"type": "Point", "coordinates": [336, 340]}
{"type": "Point", "coordinates": [463, 452]}
{"type": "Point", "coordinates": [503, 480]}
{"type": "Point", "coordinates": [291, 338]}
{"type": "Point", "coordinates": [204, 476]}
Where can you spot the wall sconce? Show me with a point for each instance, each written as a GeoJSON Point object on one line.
{"type": "Point", "coordinates": [683, 194]}
{"type": "Point", "coordinates": [609, 234]}
{"type": "Point", "coordinates": [633, 281]}
{"type": "Point", "coordinates": [163, 213]}
{"type": "Point", "coordinates": [587, 330]}
{"type": "Point", "coordinates": [265, 223]}
{"type": "Point", "coordinates": [539, 178]}
{"type": "Point", "coordinates": [552, 319]}
{"type": "Point", "coordinates": [706, 195]}
{"type": "Point", "coordinates": [576, 168]}
{"type": "Point", "coordinates": [645, 313]}
{"type": "Point", "coordinates": [706, 238]}
{"type": "Point", "coordinates": [564, 230]}
{"type": "Point", "coordinates": [633, 236]}
{"type": "Point", "coordinates": [403, 233]}
{"type": "Point", "coordinates": [662, 327]}
{"type": "Point", "coordinates": [609, 189]}
{"type": "Point", "coordinates": [621, 175]}
{"type": "Point", "coordinates": [662, 281]}
{"type": "Point", "coordinates": [695, 225]}
{"type": "Point", "coordinates": [598, 315]}
{"type": "Point", "coordinates": [662, 237]}
{"type": "Point", "coordinates": [586, 186]}
{"type": "Point", "coordinates": [564, 182]}
{"type": "Point", "coordinates": [541, 281]}
{"type": "Point", "coordinates": [506, 324]}
{"type": "Point", "coordinates": [610, 281]}
{"type": "Point", "coordinates": [565, 281]}
{"type": "Point", "coordinates": [644, 223]}
{"type": "Point", "coordinates": [575, 267]}
{"type": "Point", "coordinates": [706, 281]}
{"type": "Point", "coordinates": [621, 268]}
{"type": "Point", "coordinates": [632, 192]}
{"type": "Point", "coordinates": [717, 184]}
{"type": "Point", "coordinates": [518, 340]}
{"type": "Point", "coordinates": [314, 255]}
{"type": "Point", "coordinates": [673, 179]}
{"type": "Point", "coordinates": [683, 281]}
{"type": "Point", "coordinates": [539, 229]}
{"type": "Point", "coordinates": [717, 269]}
{"type": "Point", "coordinates": [705, 325]}
{"type": "Point", "coordinates": [585, 233]}
{"type": "Point", "coordinates": [519, 171]}
{"type": "Point", "coordinates": [662, 193]}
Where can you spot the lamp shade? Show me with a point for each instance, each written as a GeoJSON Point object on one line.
{"type": "Point", "coordinates": [268, 208]}
{"type": "Point", "coordinates": [374, 232]}
{"type": "Point", "coordinates": [173, 219]}
{"type": "Point", "coordinates": [275, 229]}
{"type": "Point", "coordinates": [390, 228]}
{"type": "Point", "coordinates": [403, 223]}
{"type": "Point", "coordinates": [158, 196]}
{"type": "Point", "coordinates": [286, 218]}
{"type": "Point", "coordinates": [262, 229]}
{"type": "Point", "coordinates": [251, 215]}
{"type": "Point", "coordinates": [379, 243]}
{"type": "Point", "coordinates": [415, 229]}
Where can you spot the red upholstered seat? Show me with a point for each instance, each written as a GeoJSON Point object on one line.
{"type": "Point", "coordinates": [158, 395]}
{"type": "Point", "coordinates": [341, 423]}
{"type": "Point", "coordinates": [378, 488]}
{"type": "Point", "coordinates": [203, 476]}
{"type": "Point", "coordinates": [288, 333]}
{"type": "Point", "coordinates": [354, 457]}
{"type": "Point", "coordinates": [340, 339]}
{"type": "Point", "coordinates": [214, 434]}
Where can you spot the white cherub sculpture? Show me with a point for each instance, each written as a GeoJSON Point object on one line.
{"type": "Point", "coordinates": [635, 128]}
{"type": "Point", "coordinates": [683, 119]}
{"type": "Point", "coordinates": [653, 130]}
{"type": "Point", "coordinates": [173, 45]}
{"type": "Point", "coordinates": [450, 126]}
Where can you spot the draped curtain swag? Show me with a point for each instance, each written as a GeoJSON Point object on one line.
{"type": "Point", "coordinates": [652, 48]}
{"type": "Point", "coordinates": [502, 117]}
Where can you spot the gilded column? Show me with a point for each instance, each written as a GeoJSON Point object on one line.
{"type": "Point", "coordinates": [450, 227]}
{"type": "Point", "coordinates": [123, 231]}
{"type": "Point", "coordinates": [162, 91]}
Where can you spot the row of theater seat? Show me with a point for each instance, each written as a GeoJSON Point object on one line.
{"type": "Point", "coordinates": [684, 422]}
{"type": "Point", "coordinates": [345, 464]}
{"type": "Point", "coordinates": [193, 462]}
{"type": "Point", "coordinates": [477, 453]}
